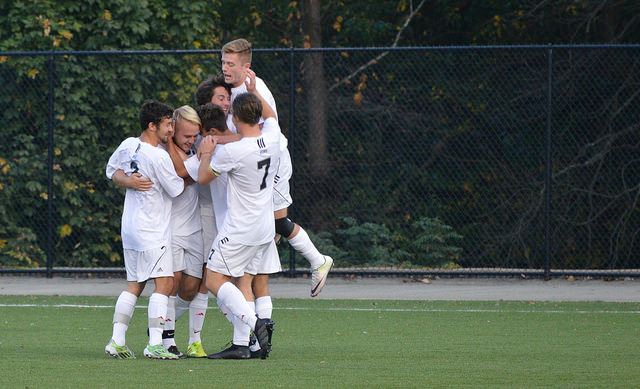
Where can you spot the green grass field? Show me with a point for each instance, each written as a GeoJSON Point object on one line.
{"type": "Point", "coordinates": [335, 344]}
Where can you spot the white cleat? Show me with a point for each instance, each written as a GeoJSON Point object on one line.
{"type": "Point", "coordinates": [319, 276]}
{"type": "Point", "coordinates": [158, 352]}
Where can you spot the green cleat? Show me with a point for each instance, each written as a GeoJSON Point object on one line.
{"type": "Point", "coordinates": [195, 350]}
{"type": "Point", "coordinates": [158, 352]}
{"type": "Point", "coordinates": [118, 352]}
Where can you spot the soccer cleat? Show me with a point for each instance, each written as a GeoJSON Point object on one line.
{"type": "Point", "coordinates": [174, 350]}
{"type": "Point", "coordinates": [263, 331]}
{"type": "Point", "coordinates": [319, 276]}
{"type": "Point", "coordinates": [233, 352]}
{"type": "Point", "coordinates": [257, 353]}
{"type": "Point", "coordinates": [158, 352]}
{"type": "Point", "coordinates": [118, 352]}
{"type": "Point", "coordinates": [195, 350]}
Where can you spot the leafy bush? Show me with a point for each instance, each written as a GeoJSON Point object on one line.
{"type": "Point", "coordinates": [426, 243]}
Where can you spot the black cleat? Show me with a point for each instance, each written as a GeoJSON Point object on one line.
{"type": "Point", "coordinates": [263, 332]}
{"type": "Point", "coordinates": [258, 354]}
{"type": "Point", "coordinates": [233, 352]}
{"type": "Point", "coordinates": [174, 350]}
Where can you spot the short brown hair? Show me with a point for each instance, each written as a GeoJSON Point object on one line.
{"type": "Point", "coordinates": [153, 111]}
{"type": "Point", "coordinates": [204, 92]}
{"type": "Point", "coordinates": [238, 46]}
{"type": "Point", "coordinates": [247, 108]}
{"type": "Point", "coordinates": [212, 116]}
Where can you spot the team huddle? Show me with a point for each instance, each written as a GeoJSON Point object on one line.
{"type": "Point", "coordinates": [207, 192]}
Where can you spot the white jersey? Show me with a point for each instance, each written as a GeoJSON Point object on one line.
{"type": "Point", "coordinates": [203, 190]}
{"type": "Point", "coordinates": [250, 164]}
{"type": "Point", "coordinates": [146, 214]}
{"type": "Point", "coordinates": [261, 87]}
{"type": "Point", "coordinates": [217, 188]}
{"type": "Point", "coordinates": [185, 213]}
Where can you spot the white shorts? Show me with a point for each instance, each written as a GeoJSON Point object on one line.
{"type": "Point", "coordinates": [209, 230]}
{"type": "Point", "coordinates": [281, 196]}
{"type": "Point", "coordinates": [270, 263]}
{"type": "Point", "coordinates": [143, 265]}
{"type": "Point", "coordinates": [187, 254]}
{"type": "Point", "coordinates": [235, 259]}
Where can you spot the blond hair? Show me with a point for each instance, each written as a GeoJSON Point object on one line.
{"type": "Point", "coordinates": [238, 46]}
{"type": "Point", "coordinates": [186, 112]}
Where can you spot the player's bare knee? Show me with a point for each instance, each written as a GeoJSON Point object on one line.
{"type": "Point", "coordinates": [260, 285]}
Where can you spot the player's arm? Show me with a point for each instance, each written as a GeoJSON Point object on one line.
{"type": "Point", "coordinates": [227, 138]}
{"type": "Point", "coordinates": [205, 152]}
{"type": "Point", "coordinates": [134, 181]}
{"type": "Point", "coordinates": [177, 157]}
{"type": "Point", "coordinates": [168, 178]}
{"type": "Point", "coordinates": [267, 111]}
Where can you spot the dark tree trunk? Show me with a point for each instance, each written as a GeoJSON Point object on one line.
{"type": "Point", "coordinates": [316, 92]}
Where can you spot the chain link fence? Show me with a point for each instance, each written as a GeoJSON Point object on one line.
{"type": "Point", "coordinates": [458, 160]}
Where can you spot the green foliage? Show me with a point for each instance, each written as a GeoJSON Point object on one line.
{"type": "Point", "coordinates": [370, 243]}
{"type": "Point", "coordinates": [96, 107]}
{"type": "Point", "coordinates": [466, 127]}
{"type": "Point", "coordinates": [432, 242]}
{"type": "Point", "coordinates": [427, 242]}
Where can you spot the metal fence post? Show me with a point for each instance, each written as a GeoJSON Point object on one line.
{"type": "Point", "coordinates": [547, 178]}
{"type": "Point", "coordinates": [50, 224]}
{"type": "Point", "coordinates": [292, 119]}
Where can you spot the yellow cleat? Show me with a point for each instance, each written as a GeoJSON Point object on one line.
{"type": "Point", "coordinates": [195, 350]}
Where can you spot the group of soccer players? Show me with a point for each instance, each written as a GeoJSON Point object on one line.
{"type": "Point", "coordinates": [207, 192]}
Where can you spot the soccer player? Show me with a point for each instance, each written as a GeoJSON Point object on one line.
{"type": "Point", "coordinates": [247, 232]}
{"type": "Point", "coordinates": [214, 90]}
{"type": "Point", "coordinates": [189, 293]}
{"type": "Point", "coordinates": [186, 242]}
{"type": "Point", "coordinates": [213, 120]}
{"type": "Point", "coordinates": [236, 60]}
{"type": "Point", "coordinates": [145, 229]}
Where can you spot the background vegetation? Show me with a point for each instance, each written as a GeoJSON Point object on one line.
{"type": "Point", "coordinates": [427, 158]}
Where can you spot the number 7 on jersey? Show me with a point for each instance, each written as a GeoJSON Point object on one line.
{"type": "Point", "coordinates": [266, 163]}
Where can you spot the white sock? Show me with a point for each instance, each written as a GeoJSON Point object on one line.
{"type": "Point", "coordinates": [232, 297]}
{"type": "Point", "coordinates": [169, 331]}
{"type": "Point", "coordinates": [305, 246]}
{"type": "Point", "coordinates": [197, 312]}
{"type": "Point", "coordinates": [256, 345]}
{"type": "Point", "coordinates": [241, 332]}
{"type": "Point", "coordinates": [156, 313]}
{"type": "Point", "coordinates": [225, 311]}
{"type": "Point", "coordinates": [182, 306]}
{"type": "Point", "coordinates": [122, 316]}
{"type": "Point", "coordinates": [264, 307]}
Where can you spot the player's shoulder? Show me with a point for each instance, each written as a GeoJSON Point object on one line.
{"type": "Point", "coordinates": [154, 153]}
{"type": "Point", "coordinates": [271, 127]}
{"type": "Point", "coordinates": [131, 142]}
{"type": "Point", "coordinates": [233, 148]}
{"type": "Point", "coordinates": [262, 87]}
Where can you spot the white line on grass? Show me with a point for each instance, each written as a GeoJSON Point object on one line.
{"type": "Point", "coordinates": [435, 310]}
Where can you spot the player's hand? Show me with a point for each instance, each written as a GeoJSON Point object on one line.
{"type": "Point", "coordinates": [207, 145]}
{"type": "Point", "coordinates": [137, 182]}
{"type": "Point", "coordinates": [250, 81]}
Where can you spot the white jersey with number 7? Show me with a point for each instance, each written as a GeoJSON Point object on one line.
{"type": "Point", "coordinates": [250, 164]}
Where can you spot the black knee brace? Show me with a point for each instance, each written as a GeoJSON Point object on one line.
{"type": "Point", "coordinates": [284, 226]}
